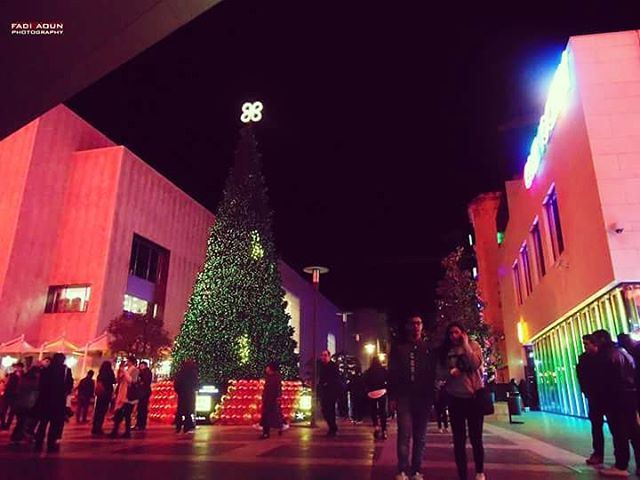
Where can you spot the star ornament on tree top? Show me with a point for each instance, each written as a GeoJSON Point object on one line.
{"type": "Point", "coordinates": [251, 112]}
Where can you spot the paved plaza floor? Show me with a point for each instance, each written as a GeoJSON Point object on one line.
{"type": "Point", "coordinates": [544, 447]}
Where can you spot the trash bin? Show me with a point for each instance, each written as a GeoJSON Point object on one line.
{"type": "Point", "coordinates": [514, 404]}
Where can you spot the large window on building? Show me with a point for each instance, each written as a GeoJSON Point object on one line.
{"type": "Point", "coordinates": [536, 241]}
{"type": "Point", "coordinates": [68, 298]}
{"type": "Point", "coordinates": [135, 305]}
{"type": "Point", "coordinates": [526, 269]}
{"type": "Point", "coordinates": [146, 258]}
{"type": "Point", "coordinates": [553, 222]}
{"type": "Point", "coordinates": [517, 283]}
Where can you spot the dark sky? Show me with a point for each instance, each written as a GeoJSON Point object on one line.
{"type": "Point", "coordinates": [382, 121]}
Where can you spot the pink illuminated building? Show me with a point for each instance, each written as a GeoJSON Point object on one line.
{"type": "Point", "coordinates": [88, 230]}
{"type": "Point", "coordinates": [570, 260]}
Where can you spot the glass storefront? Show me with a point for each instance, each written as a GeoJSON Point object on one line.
{"type": "Point", "coordinates": [556, 351]}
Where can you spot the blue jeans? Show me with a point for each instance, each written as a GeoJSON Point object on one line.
{"type": "Point", "coordinates": [413, 415]}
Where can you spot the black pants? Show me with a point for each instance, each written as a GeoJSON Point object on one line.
{"type": "Point", "coordinates": [441, 413]}
{"type": "Point", "coordinates": [102, 407]}
{"type": "Point", "coordinates": [379, 412]}
{"type": "Point", "coordinates": [22, 416]}
{"type": "Point", "coordinates": [328, 406]}
{"type": "Point", "coordinates": [82, 410]}
{"type": "Point", "coordinates": [463, 414]}
{"type": "Point", "coordinates": [7, 413]}
{"type": "Point", "coordinates": [55, 422]}
{"type": "Point", "coordinates": [143, 412]}
{"type": "Point", "coordinates": [123, 413]}
{"type": "Point", "coordinates": [185, 414]}
{"type": "Point", "coordinates": [623, 423]}
{"type": "Point", "coordinates": [596, 417]}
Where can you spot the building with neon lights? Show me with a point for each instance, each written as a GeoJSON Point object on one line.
{"type": "Point", "coordinates": [570, 260]}
{"type": "Point", "coordinates": [88, 230]}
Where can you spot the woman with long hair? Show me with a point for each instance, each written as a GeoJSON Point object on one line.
{"type": "Point", "coordinates": [271, 413]}
{"type": "Point", "coordinates": [104, 392]}
{"type": "Point", "coordinates": [460, 367]}
{"type": "Point", "coordinates": [376, 379]}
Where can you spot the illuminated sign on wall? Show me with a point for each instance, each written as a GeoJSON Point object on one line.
{"type": "Point", "coordinates": [556, 103]}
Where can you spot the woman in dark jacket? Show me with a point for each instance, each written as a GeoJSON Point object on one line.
{"type": "Point", "coordinates": [375, 380]}
{"type": "Point", "coordinates": [271, 412]}
{"type": "Point", "coordinates": [185, 384]}
{"type": "Point", "coordinates": [104, 392]}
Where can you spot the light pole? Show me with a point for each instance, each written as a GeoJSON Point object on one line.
{"type": "Point", "coordinates": [345, 317]}
{"type": "Point", "coordinates": [315, 272]}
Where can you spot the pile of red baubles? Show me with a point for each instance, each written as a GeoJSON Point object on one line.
{"type": "Point", "coordinates": [242, 403]}
{"type": "Point", "coordinates": [163, 402]}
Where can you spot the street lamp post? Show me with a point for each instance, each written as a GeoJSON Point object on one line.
{"type": "Point", "coordinates": [345, 317]}
{"type": "Point", "coordinates": [315, 273]}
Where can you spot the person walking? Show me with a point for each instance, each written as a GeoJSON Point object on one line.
{"type": "Point", "coordinates": [56, 383]}
{"type": "Point", "coordinates": [411, 391]}
{"type": "Point", "coordinates": [633, 348]}
{"type": "Point", "coordinates": [620, 404]}
{"type": "Point", "coordinates": [146, 378]}
{"type": "Point", "coordinates": [25, 401]}
{"type": "Point", "coordinates": [375, 380]}
{"type": "Point", "coordinates": [104, 392]}
{"type": "Point", "coordinates": [329, 389]}
{"type": "Point", "coordinates": [7, 411]}
{"type": "Point", "coordinates": [440, 404]}
{"type": "Point", "coordinates": [129, 392]}
{"type": "Point", "coordinates": [186, 385]}
{"type": "Point", "coordinates": [589, 373]}
{"type": "Point", "coordinates": [271, 413]}
{"type": "Point", "coordinates": [460, 367]}
{"type": "Point", "coordinates": [86, 389]}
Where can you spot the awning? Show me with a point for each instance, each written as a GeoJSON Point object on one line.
{"type": "Point", "coordinates": [60, 345]}
{"type": "Point", "coordinates": [17, 345]}
{"type": "Point", "coordinates": [98, 344]}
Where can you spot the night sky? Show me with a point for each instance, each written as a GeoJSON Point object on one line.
{"type": "Point", "coordinates": [382, 121]}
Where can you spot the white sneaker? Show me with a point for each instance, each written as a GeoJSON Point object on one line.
{"type": "Point", "coordinates": [401, 476]}
{"type": "Point", "coordinates": [417, 476]}
{"type": "Point", "coordinates": [480, 476]}
{"type": "Point", "coordinates": [440, 430]}
{"type": "Point", "coordinates": [614, 472]}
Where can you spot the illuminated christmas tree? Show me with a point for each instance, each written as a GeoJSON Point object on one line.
{"type": "Point", "coordinates": [236, 321]}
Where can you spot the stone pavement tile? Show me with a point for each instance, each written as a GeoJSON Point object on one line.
{"type": "Point", "coordinates": [443, 439]}
{"type": "Point", "coordinates": [199, 448]}
{"type": "Point", "coordinates": [491, 455]}
{"type": "Point", "coordinates": [437, 473]}
{"type": "Point", "coordinates": [323, 452]}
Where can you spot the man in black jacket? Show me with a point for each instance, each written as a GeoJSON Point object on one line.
{"type": "Point", "coordinates": [411, 391]}
{"type": "Point", "coordinates": [589, 373]}
{"type": "Point", "coordinates": [329, 389]}
{"type": "Point", "coordinates": [618, 381]}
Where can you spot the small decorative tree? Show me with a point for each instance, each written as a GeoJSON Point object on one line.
{"type": "Point", "coordinates": [140, 335]}
{"type": "Point", "coordinates": [458, 300]}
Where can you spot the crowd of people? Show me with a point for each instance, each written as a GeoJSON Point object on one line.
{"type": "Point", "coordinates": [38, 398]}
{"type": "Point", "coordinates": [417, 379]}
{"type": "Point", "coordinates": [609, 376]}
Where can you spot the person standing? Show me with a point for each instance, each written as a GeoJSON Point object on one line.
{"type": "Point", "coordinates": [375, 380]}
{"type": "Point", "coordinates": [411, 391]}
{"type": "Point", "coordinates": [589, 375]}
{"type": "Point", "coordinates": [460, 366]}
{"type": "Point", "coordinates": [186, 385]}
{"type": "Point", "coordinates": [25, 402]}
{"type": "Point", "coordinates": [86, 389]}
{"type": "Point", "coordinates": [620, 405]}
{"type": "Point", "coordinates": [633, 348]}
{"type": "Point", "coordinates": [271, 413]}
{"type": "Point", "coordinates": [104, 392]}
{"type": "Point", "coordinates": [146, 377]}
{"type": "Point", "coordinates": [440, 405]}
{"type": "Point", "coordinates": [129, 393]}
{"type": "Point", "coordinates": [8, 412]}
{"type": "Point", "coordinates": [329, 389]}
{"type": "Point", "coordinates": [56, 383]}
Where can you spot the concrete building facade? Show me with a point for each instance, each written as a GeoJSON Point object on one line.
{"type": "Point", "coordinates": [570, 260]}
